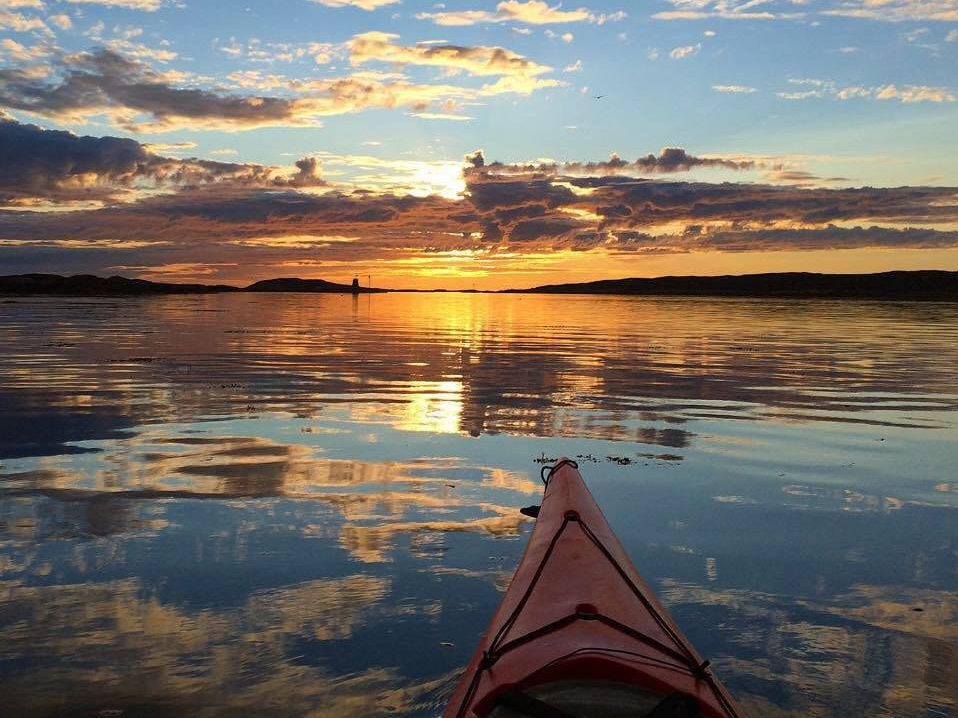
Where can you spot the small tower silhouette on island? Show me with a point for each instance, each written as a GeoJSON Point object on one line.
{"type": "Point", "coordinates": [355, 287]}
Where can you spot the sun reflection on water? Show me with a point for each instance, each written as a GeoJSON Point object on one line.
{"type": "Point", "coordinates": [260, 505]}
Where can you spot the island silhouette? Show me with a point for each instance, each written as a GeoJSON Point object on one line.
{"type": "Point", "coordinates": [927, 285]}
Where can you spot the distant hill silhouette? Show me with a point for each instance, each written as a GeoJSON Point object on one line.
{"type": "Point", "coordinates": [293, 284]}
{"type": "Point", "coordinates": [89, 285]}
{"type": "Point", "coordinates": [903, 285]}
{"type": "Point", "coordinates": [932, 285]}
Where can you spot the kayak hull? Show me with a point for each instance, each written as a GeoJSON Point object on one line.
{"type": "Point", "coordinates": [577, 612]}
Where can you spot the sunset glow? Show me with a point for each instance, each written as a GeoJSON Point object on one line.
{"type": "Point", "coordinates": [476, 144]}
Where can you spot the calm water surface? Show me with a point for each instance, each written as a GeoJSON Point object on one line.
{"type": "Point", "coordinates": [307, 505]}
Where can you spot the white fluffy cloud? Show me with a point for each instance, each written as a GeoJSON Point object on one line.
{"type": "Point", "coordinates": [680, 53]}
{"type": "Point", "coordinates": [806, 89]}
{"type": "Point", "coordinates": [367, 5]}
{"type": "Point", "coordinates": [145, 5]}
{"type": "Point", "coordinates": [531, 12]}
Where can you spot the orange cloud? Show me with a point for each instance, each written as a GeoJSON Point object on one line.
{"type": "Point", "coordinates": [137, 98]}
{"type": "Point", "coordinates": [379, 47]}
{"type": "Point", "coordinates": [431, 220]}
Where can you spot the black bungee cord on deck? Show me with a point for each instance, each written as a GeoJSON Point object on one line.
{"type": "Point", "coordinates": [546, 472]}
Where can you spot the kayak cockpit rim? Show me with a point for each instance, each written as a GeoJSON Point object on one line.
{"type": "Point", "coordinates": [565, 699]}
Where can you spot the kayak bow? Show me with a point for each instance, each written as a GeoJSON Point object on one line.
{"type": "Point", "coordinates": [579, 633]}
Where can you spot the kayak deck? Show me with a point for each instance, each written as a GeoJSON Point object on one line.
{"type": "Point", "coordinates": [580, 634]}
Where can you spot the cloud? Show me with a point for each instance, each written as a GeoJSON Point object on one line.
{"type": "Point", "coordinates": [58, 166]}
{"type": "Point", "coordinates": [801, 177]}
{"type": "Point", "coordinates": [170, 146]}
{"type": "Point", "coordinates": [379, 47]}
{"type": "Point", "coordinates": [897, 10]}
{"type": "Point", "coordinates": [885, 10]}
{"type": "Point", "coordinates": [531, 12]}
{"type": "Point", "coordinates": [61, 21]}
{"type": "Point", "coordinates": [21, 23]}
{"type": "Point", "coordinates": [826, 89]}
{"type": "Point", "coordinates": [476, 159]}
{"type": "Point", "coordinates": [669, 160]}
{"type": "Point", "coordinates": [308, 173]}
{"type": "Point", "coordinates": [735, 89]}
{"type": "Point", "coordinates": [828, 237]}
{"type": "Point", "coordinates": [145, 5]}
{"type": "Point", "coordinates": [535, 12]}
{"type": "Point", "coordinates": [367, 5]}
{"type": "Point", "coordinates": [441, 116]}
{"type": "Point", "coordinates": [265, 220]}
{"type": "Point", "coordinates": [460, 18]}
{"type": "Point", "coordinates": [916, 34]}
{"type": "Point", "coordinates": [133, 96]}
{"type": "Point", "coordinates": [914, 93]}
{"type": "Point", "coordinates": [724, 9]}
{"type": "Point", "coordinates": [565, 37]}
{"type": "Point", "coordinates": [517, 74]}
{"type": "Point", "coordinates": [586, 206]}
{"type": "Point", "coordinates": [680, 53]}
{"type": "Point", "coordinates": [419, 178]}
{"type": "Point", "coordinates": [14, 50]}
{"type": "Point", "coordinates": [255, 50]}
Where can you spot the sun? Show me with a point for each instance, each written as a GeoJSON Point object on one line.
{"type": "Point", "coordinates": [438, 178]}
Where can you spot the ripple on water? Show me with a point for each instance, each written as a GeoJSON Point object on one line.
{"type": "Point", "coordinates": [234, 505]}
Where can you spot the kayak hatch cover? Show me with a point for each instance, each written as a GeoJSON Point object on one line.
{"type": "Point", "coordinates": [579, 634]}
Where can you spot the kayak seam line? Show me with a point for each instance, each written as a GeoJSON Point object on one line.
{"type": "Point", "coordinates": [700, 670]}
{"type": "Point", "coordinates": [513, 617]}
{"type": "Point", "coordinates": [556, 625]}
{"type": "Point", "coordinates": [488, 655]}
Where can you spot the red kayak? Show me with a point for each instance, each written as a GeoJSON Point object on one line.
{"type": "Point", "coordinates": [579, 634]}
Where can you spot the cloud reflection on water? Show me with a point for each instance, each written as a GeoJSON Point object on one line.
{"type": "Point", "coordinates": [592, 366]}
{"type": "Point", "coordinates": [376, 501]}
{"type": "Point", "coordinates": [274, 504]}
{"type": "Point", "coordinates": [92, 647]}
{"type": "Point", "coordinates": [895, 657]}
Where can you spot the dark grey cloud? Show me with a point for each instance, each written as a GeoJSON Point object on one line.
{"type": "Point", "coordinates": [60, 166]}
{"type": "Point", "coordinates": [309, 173]}
{"type": "Point", "coordinates": [39, 163]}
{"type": "Point", "coordinates": [623, 213]}
{"type": "Point", "coordinates": [674, 159]}
{"type": "Point", "coordinates": [620, 217]}
{"type": "Point", "coordinates": [104, 82]}
{"type": "Point", "coordinates": [476, 159]}
{"type": "Point", "coordinates": [135, 97]}
{"type": "Point", "coordinates": [827, 237]}
{"type": "Point", "coordinates": [643, 203]}
{"type": "Point", "coordinates": [669, 160]}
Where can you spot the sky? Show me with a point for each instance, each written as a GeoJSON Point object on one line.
{"type": "Point", "coordinates": [474, 143]}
